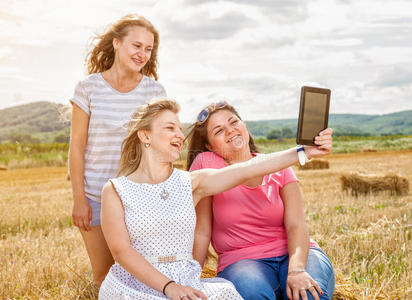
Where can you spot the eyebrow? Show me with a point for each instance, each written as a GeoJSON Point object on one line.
{"type": "Point", "coordinates": [219, 124]}
{"type": "Point", "coordinates": [174, 124]}
{"type": "Point", "coordinates": [140, 43]}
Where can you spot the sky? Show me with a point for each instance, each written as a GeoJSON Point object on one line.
{"type": "Point", "coordinates": [255, 54]}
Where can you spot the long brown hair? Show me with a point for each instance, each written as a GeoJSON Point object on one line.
{"type": "Point", "coordinates": [198, 139]}
{"type": "Point", "coordinates": [141, 120]}
{"type": "Point", "coordinates": [101, 57]}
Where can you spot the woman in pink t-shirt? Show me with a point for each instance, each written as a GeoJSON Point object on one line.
{"type": "Point", "coordinates": [257, 228]}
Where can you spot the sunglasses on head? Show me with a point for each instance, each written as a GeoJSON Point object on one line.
{"type": "Point", "coordinates": [204, 114]}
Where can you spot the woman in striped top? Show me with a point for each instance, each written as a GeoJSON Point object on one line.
{"type": "Point", "coordinates": [122, 70]}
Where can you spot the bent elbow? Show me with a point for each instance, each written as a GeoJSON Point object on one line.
{"type": "Point", "coordinates": [119, 252]}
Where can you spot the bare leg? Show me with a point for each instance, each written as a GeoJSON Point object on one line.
{"type": "Point", "coordinates": [100, 257]}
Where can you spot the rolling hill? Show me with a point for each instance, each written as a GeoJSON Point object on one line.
{"type": "Point", "coordinates": [347, 124]}
{"type": "Point", "coordinates": [41, 120]}
{"type": "Point", "coordinates": [47, 122]}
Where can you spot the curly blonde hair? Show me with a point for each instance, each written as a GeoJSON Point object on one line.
{"type": "Point", "coordinates": [101, 57]}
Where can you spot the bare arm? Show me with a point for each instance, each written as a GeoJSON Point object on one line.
{"type": "Point", "coordinates": [296, 229]}
{"type": "Point", "coordinates": [298, 241]}
{"type": "Point", "coordinates": [81, 213]}
{"type": "Point", "coordinates": [203, 230]}
{"type": "Point", "coordinates": [118, 240]}
{"type": "Point", "coordinates": [208, 182]}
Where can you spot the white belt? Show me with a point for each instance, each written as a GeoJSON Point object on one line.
{"type": "Point", "coordinates": [168, 258]}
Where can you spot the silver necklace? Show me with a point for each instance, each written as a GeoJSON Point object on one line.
{"type": "Point", "coordinates": [164, 194]}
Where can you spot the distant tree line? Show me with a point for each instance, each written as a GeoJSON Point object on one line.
{"type": "Point", "coordinates": [26, 138]}
{"type": "Point", "coordinates": [274, 134]}
{"type": "Point", "coordinates": [285, 132]}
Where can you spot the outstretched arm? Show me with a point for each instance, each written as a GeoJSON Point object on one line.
{"type": "Point", "coordinates": [118, 240]}
{"type": "Point", "coordinates": [207, 182]}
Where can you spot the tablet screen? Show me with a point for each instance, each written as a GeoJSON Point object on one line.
{"type": "Point", "coordinates": [314, 114]}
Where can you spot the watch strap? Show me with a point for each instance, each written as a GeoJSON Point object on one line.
{"type": "Point", "coordinates": [303, 159]}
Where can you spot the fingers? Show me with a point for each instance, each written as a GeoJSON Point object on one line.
{"type": "Point", "coordinates": [317, 287]}
{"type": "Point", "coordinates": [312, 290]}
{"type": "Point", "coordinates": [303, 294]}
{"type": "Point", "coordinates": [89, 220]}
{"type": "Point", "coordinates": [200, 295]}
{"type": "Point", "coordinates": [82, 222]}
{"type": "Point", "coordinates": [300, 285]}
{"type": "Point", "coordinates": [195, 296]}
{"type": "Point", "coordinates": [296, 294]}
{"type": "Point", "coordinates": [327, 147]}
{"type": "Point", "coordinates": [327, 131]}
{"type": "Point", "coordinates": [289, 292]}
{"type": "Point", "coordinates": [324, 142]}
{"type": "Point", "coordinates": [319, 140]}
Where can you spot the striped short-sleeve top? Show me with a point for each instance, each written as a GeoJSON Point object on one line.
{"type": "Point", "coordinates": [109, 113]}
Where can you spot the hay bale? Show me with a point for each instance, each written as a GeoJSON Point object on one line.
{"type": "Point", "coordinates": [3, 168]}
{"type": "Point", "coordinates": [369, 150]}
{"type": "Point", "coordinates": [364, 184]}
{"type": "Point", "coordinates": [208, 272]}
{"type": "Point", "coordinates": [315, 164]}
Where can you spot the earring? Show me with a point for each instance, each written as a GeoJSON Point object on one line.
{"type": "Point", "coordinates": [147, 145]}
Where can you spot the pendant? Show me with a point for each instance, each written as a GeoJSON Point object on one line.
{"type": "Point", "coordinates": [164, 194]}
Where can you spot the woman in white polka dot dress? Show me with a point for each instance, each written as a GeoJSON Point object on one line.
{"type": "Point", "coordinates": [148, 216]}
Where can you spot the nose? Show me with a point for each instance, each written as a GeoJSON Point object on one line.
{"type": "Point", "coordinates": [141, 52]}
{"type": "Point", "coordinates": [229, 129]}
{"type": "Point", "coordinates": [180, 135]}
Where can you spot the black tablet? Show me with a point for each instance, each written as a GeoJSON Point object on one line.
{"type": "Point", "coordinates": [313, 114]}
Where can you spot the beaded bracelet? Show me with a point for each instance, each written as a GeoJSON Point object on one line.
{"type": "Point", "coordinates": [297, 271]}
{"type": "Point", "coordinates": [164, 287]}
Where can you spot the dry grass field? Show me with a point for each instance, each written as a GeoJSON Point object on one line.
{"type": "Point", "coordinates": [368, 238]}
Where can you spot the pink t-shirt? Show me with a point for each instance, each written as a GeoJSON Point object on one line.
{"type": "Point", "coordinates": [248, 222]}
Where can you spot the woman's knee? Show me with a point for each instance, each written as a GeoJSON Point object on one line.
{"type": "Point", "coordinates": [320, 269]}
{"type": "Point", "coordinates": [252, 279]}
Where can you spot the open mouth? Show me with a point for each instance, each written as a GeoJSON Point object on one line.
{"type": "Point", "coordinates": [137, 61]}
{"type": "Point", "coordinates": [176, 145]}
{"type": "Point", "coordinates": [233, 138]}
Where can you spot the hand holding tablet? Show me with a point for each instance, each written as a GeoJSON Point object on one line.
{"type": "Point", "coordinates": [313, 114]}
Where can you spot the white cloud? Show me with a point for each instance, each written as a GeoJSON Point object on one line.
{"type": "Point", "coordinates": [255, 53]}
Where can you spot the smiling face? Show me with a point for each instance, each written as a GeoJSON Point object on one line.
{"type": "Point", "coordinates": [166, 136]}
{"type": "Point", "coordinates": [135, 49]}
{"type": "Point", "coordinates": [227, 134]}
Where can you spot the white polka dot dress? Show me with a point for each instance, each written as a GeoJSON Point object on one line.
{"type": "Point", "coordinates": [161, 220]}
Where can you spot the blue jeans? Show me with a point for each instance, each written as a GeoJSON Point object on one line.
{"type": "Point", "coordinates": [266, 278]}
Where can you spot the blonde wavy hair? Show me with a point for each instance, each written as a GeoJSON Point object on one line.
{"type": "Point", "coordinates": [132, 147]}
{"type": "Point", "coordinates": [101, 57]}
